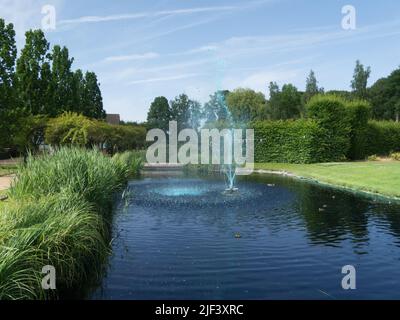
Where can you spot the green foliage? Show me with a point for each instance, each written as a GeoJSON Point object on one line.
{"type": "Point", "coordinates": [359, 112]}
{"type": "Point", "coordinates": [58, 214]}
{"type": "Point", "coordinates": [373, 157]}
{"type": "Point", "coordinates": [134, 160]}
{"type": "Point", "coordinates": [159, 114]}
{"type": "Point", "coordinates": [385, 97]}
{"type": "Point", "coordinates": [216, 108]}
{"type": "Point", "coordinates": [284, 104]}
{"type": "Point", "coordinates": [330, 114]}
{"type": "Point", "coordinates": [312, 88]}
{"type": "Point", "coordinates": [287, 141]}
{"type": "Point", "coordinates": [246, 105]}
{"type": "Point", "coordinates": [76, 129]}
{"type": "Point", "coordinates": [360, 80]}
{"type": "Point", "coordinates": [395, 156]}
{"type": "Point", "coordinates": [383, 137]}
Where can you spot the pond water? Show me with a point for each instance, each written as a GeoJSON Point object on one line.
{"type": "Point", "coordinates": [277, 238]}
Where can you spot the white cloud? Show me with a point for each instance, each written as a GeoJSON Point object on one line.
{"type": "Point", "coordinates": [144, 56]}
{"type": "Point", "coordinates": [160, 79]}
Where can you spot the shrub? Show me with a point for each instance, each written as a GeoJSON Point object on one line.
{"type": "Point", "coordinates": [329, 112]}
{"type": "Point", "coordinates": [395, 156]}
{"type": "Point", "coordinates": [373, 157]}
{"type": "Point", "coordinates": [287, 141]}
{"type": "Point", "coordinates": [359, 112]}
{"type": "Point", "coordinates": [383, 137]}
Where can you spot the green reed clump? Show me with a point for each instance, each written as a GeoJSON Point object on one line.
{"type": "Point", "coordinates": [60, 230]}
{"type": "Point", "coordinates": [58, 215]}
{"type": "Point", "coordinates": [134, 160]}
{"type": "Point", "coordinates": [78, 171]}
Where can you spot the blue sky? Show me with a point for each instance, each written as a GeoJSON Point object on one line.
{"type": "Point", "coordinates": [143, 49]}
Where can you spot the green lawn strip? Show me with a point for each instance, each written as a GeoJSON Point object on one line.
{"type": "Point", "coordinates": [7, 169]}
{"type": "Point", "coordinates": [377, 177]}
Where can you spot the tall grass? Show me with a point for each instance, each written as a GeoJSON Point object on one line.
{"type": "Point", "coordinates": [58, 215]}
{"type": "Point", "coordinates": [134, 160]}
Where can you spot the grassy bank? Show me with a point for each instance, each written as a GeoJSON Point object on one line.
{"type": "Point", "coordinates": [7, 169]}
{"type": "Point", "coordinates": [58, 214]}
{"type": "Point", "coordinates": [382, 177]}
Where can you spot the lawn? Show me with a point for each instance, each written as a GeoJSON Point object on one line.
{"type": "Point", "coordinates": [381, 177]}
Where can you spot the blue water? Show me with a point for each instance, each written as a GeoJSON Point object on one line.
{"type": "Point", "coordinates": [278, 238]}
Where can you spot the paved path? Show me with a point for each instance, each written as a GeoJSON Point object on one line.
{"type": "Point", "coordinates": [5, 182]}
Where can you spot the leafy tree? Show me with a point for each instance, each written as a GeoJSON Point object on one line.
{"type": "Point", "coordinates": [360, 80]}
{"type": "Point", "coordinates": [284, 104]}
{"type": "Point", "coordinates": [34, 74]}
{"type": "Point", "coordinates": [78, 91]}
{"type": "Point", "coordinates": [312, 88]}
{"type": "Point", "coordinates": [195, 114]}
{"type": "Point", "coordinates": [385, 97]}
{"type": "Point", "coordinates": [216, 108]}
{"type": "Point", "coordinates": [246, 105]}
{"type": "Point", "coordinates": [180, 108]}
{"type": "Point", "coordinates": [159, 114]}
{"type": "Point", "coordinates": [62, 82]}
{"type": "Point", "coordinates": [8, 53]}
{"type": "Point", "coordinates": [92, 99]}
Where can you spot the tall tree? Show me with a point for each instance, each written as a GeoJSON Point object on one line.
{"type": "Point", "coordinates": [180, 108]}
{"type": "Point", "coordinates": [92, 99]}
{"type": "Point", "coordinates": [216, 108]}
{"type": "Point", "coordinates": [78, 91]}
{"type": "Point", "coordinates": [8, 53]}
{"type": "Point", "coordinates": [246, 105]}
{"type": "Point", "coordinates": [360, 80]}
{"type": "Point", "coordinates": [159, 114]}
{"type": "Point", "coordinates": [284, 104]}
{"type": "Point", "coordinates": [33, 74]}
{"type": "Point", "coordinates": [61, 82]}
{"type": "Point", "coordinates": [312, 88]}
{"type": "Point", "coordinates": [385, 97]}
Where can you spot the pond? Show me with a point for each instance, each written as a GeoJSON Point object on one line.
{"type": "Point", "coordinates": [277, 238]}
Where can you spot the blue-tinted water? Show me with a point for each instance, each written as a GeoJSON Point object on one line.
{"type": "Point", "coordinates": [277, 238]}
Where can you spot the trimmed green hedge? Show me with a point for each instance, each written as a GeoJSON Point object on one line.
{"type": "Point", "coordinates": [287, 141]}
{"type": "Point", "coordinates": [382, 138]}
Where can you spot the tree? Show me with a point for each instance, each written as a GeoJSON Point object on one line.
{"type": "Point", "coordinates": [246, 105]}
{"type": "Point", "coordinates": [216, 108]}
{"type": "Point", "coordinates": [360, 80]}
{"type": "Point", "coordinates": [8, 54]}
{"type": "Point", "coordinates": [312, 88]}
{"type": "Point", "coordinates": [159, 114]}
{"type": "Point", "coordinates": [62, 82]}
{"type": "Point", "coordinates": [284, 104]}
{"type": "Point", "coordinates": [78, 91]}
{"type": "Point", "coordinates": [385, 97]}
{"type": "Point", "coordinates": [180, 111]}
{"type": "Point", "coordinates": [92, 99]}
{"type": "Point", "coordinates": [33, 74]}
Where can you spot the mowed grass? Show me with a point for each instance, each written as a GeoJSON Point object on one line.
{"type": "Point", "coordinates": [382, 177]}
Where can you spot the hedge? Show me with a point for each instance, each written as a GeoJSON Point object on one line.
{"type": "Point", "coordinates": [382, 138]}
{"type": "Point", "coordinates": [287, 141]}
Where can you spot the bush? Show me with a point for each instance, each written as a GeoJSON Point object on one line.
{"type": "Point", "coordinates": [359, 112]}
{"type": "Point", "coordinates": [287, 141]}
{"type": "Point", "coordinates": [74, 129]}
{"type": "Point", "coordinates": [329, 112]}
{"type": "Point", "coordinates": [383, 137]}
{"type": "Point", "coordinates": [395, 156]}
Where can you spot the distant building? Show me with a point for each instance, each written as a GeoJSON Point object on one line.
{"type": "Point", "coordinates": [113, 119]}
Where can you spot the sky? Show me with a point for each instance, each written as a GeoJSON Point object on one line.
{"type": "Point", "coordinates": [142, 49]}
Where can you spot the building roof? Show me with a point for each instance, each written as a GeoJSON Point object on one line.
{"type": "Point", "coordinates": [113, 119]}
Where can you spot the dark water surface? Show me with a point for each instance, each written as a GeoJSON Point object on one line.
{"type": "Point", "coordinates": [278, 238]}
